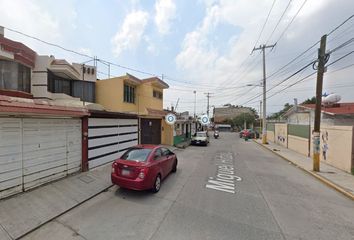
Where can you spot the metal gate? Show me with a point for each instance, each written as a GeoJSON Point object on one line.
{"type": "Point", "coordinates": [34, 151]}
{"type": "Point", "coordinates": [150, 131]}
{"type": "Point", "coordinates": [108, 138]}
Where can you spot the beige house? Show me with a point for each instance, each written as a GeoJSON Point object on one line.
{"type": "Point", "coordinates": [56, 79]}
{"type": "Point", "coordinates": [144, 97]}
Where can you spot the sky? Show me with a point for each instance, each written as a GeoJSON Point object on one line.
{"type": "Point", "coordinates": [202, 45]}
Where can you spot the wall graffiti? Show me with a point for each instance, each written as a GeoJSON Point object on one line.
{"type": "Point", "coordinates": [324, 144]}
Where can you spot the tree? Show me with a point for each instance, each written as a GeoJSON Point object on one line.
{"type": "Point", "coordinates": [309, 101]}
{"type": "Point", "coordinates": [239, 120]}
{"type": "Point", "coordinates": [277, 115]}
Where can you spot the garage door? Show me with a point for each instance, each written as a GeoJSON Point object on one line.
{"type": "Point", "coordinates": [36, 151]}
{"type": "Point", "coordinates": [10, 156]}
{"type": "Point", "coordinates": [108, 139]}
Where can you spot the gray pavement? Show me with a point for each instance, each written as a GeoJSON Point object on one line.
{"type": "Point", "coordinates": [332, 176]}
{"type": "Point", "coordinates": [24, 212]}
{"type": "Point", "coordinates": [274, 200]}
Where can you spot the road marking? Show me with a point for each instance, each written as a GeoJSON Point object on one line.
{"type": "Point", "coordinates": [225, 179]}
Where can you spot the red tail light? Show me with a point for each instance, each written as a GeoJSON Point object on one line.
{"type": "Point", "coordinates": [143, 173]}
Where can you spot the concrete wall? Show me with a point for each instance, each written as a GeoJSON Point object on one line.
{"type": "Point", "coordinates": [110, 94]}
{"type": "Point", "coordinates": [339, 140]}
{"type": "Point", "coordinates": [270, 136]}
{"type": "Point", "coordinates": [167, 133]}
{"type": "Point", "coordinates": [39, 81]}
{"type": "Point", "coordinates": [298, 144]}
{"type": "Point", "coordinates": [281, 134]}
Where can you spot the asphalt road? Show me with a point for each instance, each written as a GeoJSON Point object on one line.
{"type": "Point", "coordinates": [231, 189]}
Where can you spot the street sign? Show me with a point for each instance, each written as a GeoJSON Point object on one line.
{"type": "Point", "coordinates": [204, 120]}
{"type": "Point", "coordinates": [170, 118]}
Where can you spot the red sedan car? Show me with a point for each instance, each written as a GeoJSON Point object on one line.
{"type": "Point", "coordinates": [143, 167]}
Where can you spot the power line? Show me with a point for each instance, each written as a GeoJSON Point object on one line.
{"type": "Point", "coordinates": [260, 34]}
{"type": "Point", "coordinates": [281, 17]}
{"type": "Point", "coordinates": [292, 20]}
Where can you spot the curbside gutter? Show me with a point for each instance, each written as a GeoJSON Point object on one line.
{"type": "Point", "coordinates": [315, 175]}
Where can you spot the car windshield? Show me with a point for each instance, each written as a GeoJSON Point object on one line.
{"type": "Point", "coordinates": [201, 134]}
{"type": "Point", "coordinates": [136, 154]}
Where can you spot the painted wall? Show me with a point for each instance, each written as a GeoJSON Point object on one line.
{"type": "Point", "coordinates": [146, 98]}
{"type": "Point", "coordinates": [270, 136]}
{"type": "Point", "coordinates": [110, 94]}
{"type": "Point", "coordinates": [281, 134]}
{"type": "Point", "coordinates": [167, 133]}
{"type": "Point", "coordinates": [298, 144]}
{"type": "Point", "coordinates": [339, 149]}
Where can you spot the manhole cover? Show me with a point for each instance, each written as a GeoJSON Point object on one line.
{"type": "Point", "coordinates": [86, 179]}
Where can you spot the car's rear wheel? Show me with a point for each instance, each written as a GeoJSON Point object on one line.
{"type": "Point", "coordinates": [174, 168]}
{"type": "Point", "coordinates": [157, 184]}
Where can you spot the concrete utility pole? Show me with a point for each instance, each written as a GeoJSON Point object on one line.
{"type": "Point", "coordinates": [260, 113]}
{"type": "Point", "coordinates": [317, 124]}
{"type": "Point", "coordinates": [264, 132]}
{"type": "Point", "coordinates": [195, 103]}
{"type": "Point", "coordinates": [208, 96]}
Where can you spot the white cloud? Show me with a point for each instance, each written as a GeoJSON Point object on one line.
{"type": "Point", "coordinates": [131, 32]}
{"type": "Point", "coordinates": [29, 17]}
{"type": "Point", "coordinates": [165, 13]}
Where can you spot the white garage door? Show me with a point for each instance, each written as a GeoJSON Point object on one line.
{"type": "Point", "coordinates": [108, 139]}
{"type": "Point", "coordinates": [36, 151]}
{"type": "Point", "coordinates": [10, 156]}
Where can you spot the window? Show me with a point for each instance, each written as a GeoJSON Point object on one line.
{"type": "Point", "coordinates": [15, 76]}
{"type": "Point", "coordinates": [129, 93]}
{"type": "Point", "coordinates": [157, 94]}
{"type": "Point", "coordinates": [76, 88]}
{"type": "Point", "coordinates": [158, 153]}
{"type": "Point", "coordinates": [136, 154]}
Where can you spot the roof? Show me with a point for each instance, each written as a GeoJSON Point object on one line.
{"type": "Point", "coordinates": [21, 106]}
{"type": "Point", "coordinates": [156, 80]}
{"type": "Point", "coordinates": [22, 53]}
{"type": "Point", "coordinates": [337, 109]}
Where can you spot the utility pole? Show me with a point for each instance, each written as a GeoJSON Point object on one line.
{"type": "Point", "coordinates": [195, 103]}
{"type": "Point", "coordinates": [264, 132]}
{"type": "Point", "coordinates": [317, 125]}
{"type": "Point", "coordinates": [208, 97]}
{"type": "Point", "coordinates": [260, 114]}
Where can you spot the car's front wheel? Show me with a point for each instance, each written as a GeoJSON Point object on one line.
{"type": "Point", "coordinates": [174, 168]}
{"type": "Point", "coordinates": [157, 184]}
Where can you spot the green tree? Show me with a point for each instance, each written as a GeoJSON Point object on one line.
{"type": "Point", "coordinates": [249, 118]}
{"type": "Point", "coordinates": [309, 101]}
{"type": "Point", "coordinates": [278, 115]}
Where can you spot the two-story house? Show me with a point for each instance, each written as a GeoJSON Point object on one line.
{"type": "Point", "coordinates": [40, 140]}
{"type": "Point", "coordinates": [144, 97]}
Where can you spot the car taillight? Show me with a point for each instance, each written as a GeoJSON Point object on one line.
{"type": "Point", "coordinates": [114, 167]}
{"type": "Point", "coordinates": [142, 173]}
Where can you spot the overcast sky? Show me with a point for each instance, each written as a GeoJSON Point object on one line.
{"type": "Point", "coordinates": [201, 45]}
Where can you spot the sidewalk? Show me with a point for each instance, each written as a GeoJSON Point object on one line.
{"type": "Point", "coordinates": [339, 180]}
{"type": "Point", "coordinates": [25, 212]}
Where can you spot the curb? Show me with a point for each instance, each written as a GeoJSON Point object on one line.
{"type": "Point", "coordinates": [62, 213]}
{"type": "Point", "coordinates": [315, 175]}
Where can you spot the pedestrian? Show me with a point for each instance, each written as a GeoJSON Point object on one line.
{"type": "Point", "coordinates": [324, 150]}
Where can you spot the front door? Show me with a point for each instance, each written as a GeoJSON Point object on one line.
{"type": "Point", "coordinates": [150, 131]}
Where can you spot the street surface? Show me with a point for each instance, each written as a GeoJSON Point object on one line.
{"type": "Point", "coordinates": [231, 189]}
